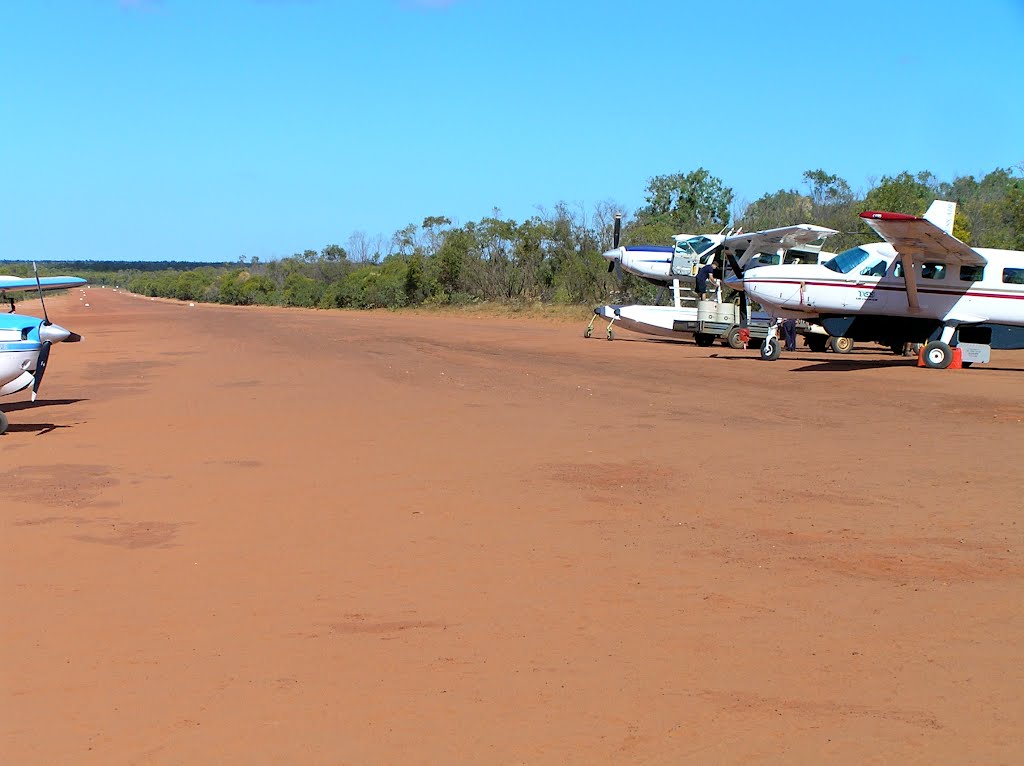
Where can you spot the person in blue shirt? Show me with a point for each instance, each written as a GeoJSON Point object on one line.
{"type": "Point", "coordinates": [705, 275]}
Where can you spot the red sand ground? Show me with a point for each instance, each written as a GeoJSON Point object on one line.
{"type": "Point", "coordinates": [262, 536]}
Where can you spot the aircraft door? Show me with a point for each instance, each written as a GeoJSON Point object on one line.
{"type": "Point", "coordinates": [684, 264]}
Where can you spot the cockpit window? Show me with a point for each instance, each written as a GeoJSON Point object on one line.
{"type": "Point", "coordinates": [848, 260]}
{"type": "Point", "coordinates": [694, 245]}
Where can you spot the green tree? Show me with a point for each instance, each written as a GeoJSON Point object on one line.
{"type": "Point", "coordinates": [451, 260]}
{"type": "Point", "coordinates": [902, 194]}
{"type": "Point", "coordinates": [300, 290]}
{"type": "Point", "coordinates": [693, 202]}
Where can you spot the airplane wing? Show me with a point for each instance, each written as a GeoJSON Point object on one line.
{"type": "Point", "coordinates": [14, 284]}
{"type": "Point", "coordinates": [921, 239]}
{"type": "Point", "coordinates": [770, 240]}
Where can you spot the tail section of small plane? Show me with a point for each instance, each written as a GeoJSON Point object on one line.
{"type": "Point", "coordinates": [942, 213]}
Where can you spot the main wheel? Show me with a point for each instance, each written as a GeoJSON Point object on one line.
{"type": "Point", "coordinates": [703, 339]}
{"type": "Point", "coordinates": [733, 339]}
{"type": "Point", "coordinates": [817, 342]}
{"type": "Point", "coordinates": [610, 334]}
{"type": "Point", "coordinates": [4, 422]}
{"type": "Point", "coordinates": [841, 345]}
{"type": "Point", "coordinates": [770, 349]}
{"type": "Point", "coordinates": [937, 355]}
{"type": "Point", "coordinates": [588, 332]}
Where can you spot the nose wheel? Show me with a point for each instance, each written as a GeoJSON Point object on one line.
{"type": "Point", "coordinates": [771, 349]}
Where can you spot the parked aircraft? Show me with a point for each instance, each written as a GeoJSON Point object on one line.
{"type": "Point", "coordinates": [25, 341]}
{"type": "Point", "coordinates": [678, 265]}
{"type": "Point", "coordinates": [922, 285]}
{"type": "Point", "coordinates": [662, 265]}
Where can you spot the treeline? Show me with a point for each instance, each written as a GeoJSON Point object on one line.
{"type": "Point", "coordinates": [555, 256]}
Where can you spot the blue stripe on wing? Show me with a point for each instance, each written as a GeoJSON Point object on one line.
{"type": "Point", "coordinates": [47, 283]}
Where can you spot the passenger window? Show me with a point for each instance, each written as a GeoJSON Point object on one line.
{"type": "Point", "coordinates": [1013, 276]}
{"type": "Point", "coordinates": [933, 271]}
{"type": "Point", "coordinates": [972, 273]}
{"type": "Point", "coordinates": [898, 271]}
{"type": "Point", "coordinates": [878, 270]}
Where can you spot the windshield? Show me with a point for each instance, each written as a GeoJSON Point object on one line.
{"type": "Point", "coordinates": [847, 260]}
{"type": "Point", "coordinates": [694, 245]}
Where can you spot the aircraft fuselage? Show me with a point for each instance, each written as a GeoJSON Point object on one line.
{"type": "Point", "coordinates": [874, 287]}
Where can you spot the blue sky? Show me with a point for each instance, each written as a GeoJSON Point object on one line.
{"type": "Point", "coordinates": [212, 129]}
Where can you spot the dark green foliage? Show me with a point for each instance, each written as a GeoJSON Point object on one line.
{"type": "Point", "coordinates": [693, 202]}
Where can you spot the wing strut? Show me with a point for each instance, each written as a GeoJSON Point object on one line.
{"type": "Point", "coordinates": [910, 280]}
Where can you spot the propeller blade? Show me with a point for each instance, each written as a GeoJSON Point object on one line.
{"type": "Point", "coordinates": [617, 230]}
{"type": "Point", "coordinates": [735, 265]}
{"type": "Point", "coordinates": [39, 286]}
{"type": "Point", "coordinates": [44, 355]}
{"type": "Point", "coordinates": [743, 309]}
{"type": "Point", "coordinates": [611, 266]}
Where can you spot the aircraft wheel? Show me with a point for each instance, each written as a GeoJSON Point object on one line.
{"type": "Point", "coordinates": [841, 345]}
{"type": "Point", "coordinates": [3, 423]}
{"type": "Point", "coordinates": [588, 332]}
{"type": "Point", "coordinates": [703, 339]}
{"type": "Point", "coordinates": [937, 355]}
{"type": "Point", "coordinates": [770, 349]}
{"type": "Point", "coordinates": [610, 335]}
{"type": "Point", "coordinates": [733, 339]}
{"type": "Point", "coordinates": [817, 342]}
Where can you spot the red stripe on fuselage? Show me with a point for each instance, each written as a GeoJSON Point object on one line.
{"type": "Point", "coordinates": [894, 288]}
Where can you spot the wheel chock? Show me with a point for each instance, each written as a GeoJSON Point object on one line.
{"type": "Point", "coordinates": [956, 363]}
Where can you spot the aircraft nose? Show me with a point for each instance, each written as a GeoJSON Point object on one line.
{"type": "Point", "coordinates": [613, 254]}
{"type": "Point", "coordinates": [773, 285]}
{"type": "Point", "coordinates": [54, 333]}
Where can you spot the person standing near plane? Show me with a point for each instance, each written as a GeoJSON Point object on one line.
{"type": "Point", "coordinates": [705, 275]}
{"type": "Point", "coordinates": [789, 333]}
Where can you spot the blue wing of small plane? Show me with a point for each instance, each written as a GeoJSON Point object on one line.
{"type": "Point", "coordinates": [11, 284]}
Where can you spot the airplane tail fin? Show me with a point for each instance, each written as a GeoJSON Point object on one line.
{"type": "Point", "coordinates": [942, 213]}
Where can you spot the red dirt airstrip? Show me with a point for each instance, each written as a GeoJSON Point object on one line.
{"type": "Point", "coordinates": [268, 536]}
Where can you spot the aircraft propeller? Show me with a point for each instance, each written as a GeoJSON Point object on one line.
{"type": "Point", "coordinates": [616, 235]}
{"type": "Point", "coordinates": [49, 333]}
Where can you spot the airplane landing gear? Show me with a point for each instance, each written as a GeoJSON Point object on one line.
{"type": "Point", "coordinates": [589, 332]}
{"type": "Point", "coordinates": [771, 349]}
{"type": "Point", "coordinates": [841, 345]}
{"type": "Point", "coordinates": [3, 423]}
{"type": "Point", "coordinates": [937, 355]}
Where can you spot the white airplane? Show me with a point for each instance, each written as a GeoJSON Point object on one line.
{"type": "Point", "coordinates": [679, 264]}
{"type": "Point", "coordinates": [25, 341]}
{"type": "Point", "coordinates": [664, 265]}
{"type": "Point", "coordinates": [922, 285]}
